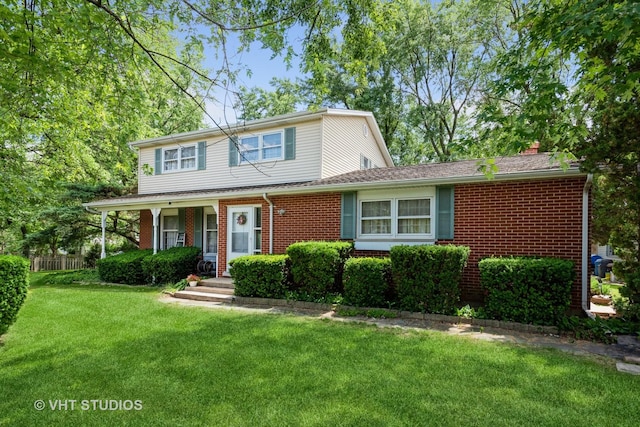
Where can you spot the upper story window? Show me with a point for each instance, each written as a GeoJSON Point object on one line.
{"type": "Point", "coordinates": [396, 217]}
{"type": "Point", "coordinates": [258, 148]}
{"type": "Point", "coordinates": [180, 158]}
{"type": "Point", "coordinates": [187, 157]}
{"type": "Point", "coordinates": [265, 147]}
{"type": "Point", "coordinates": [366, 163]}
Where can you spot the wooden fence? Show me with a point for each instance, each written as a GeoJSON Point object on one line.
{"type": "Point", "coordinates": [59, 262]}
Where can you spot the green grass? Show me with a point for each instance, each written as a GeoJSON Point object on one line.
{"type": "Point", "coordinates": [193, 366]}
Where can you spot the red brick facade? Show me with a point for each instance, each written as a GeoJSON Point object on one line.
{"type": "Point", "coordinates": [306, 217]}
{"type": "Point", "coordinates": [540, 217]}
{"type": "Point", "coordinates": [146, 229]}
{"type": "Point", "coordinates": [533, 217]}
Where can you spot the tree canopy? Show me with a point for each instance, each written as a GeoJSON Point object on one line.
{"type": "Point", "coordinates": [594, 113]}
{"type": "Point", "coordinates": [445, 80]}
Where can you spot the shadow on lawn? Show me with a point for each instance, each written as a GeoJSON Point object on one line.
{"type": "Point", "coordinates": [200, 367]}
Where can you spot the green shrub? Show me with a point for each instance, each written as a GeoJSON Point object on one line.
{"type": "Point", "coordinates": [262, 276]}
{"type": "Point", "coordinates": [427, 277]}
{"type": "Point", "coordinates": [526, 289]}
{"type": "Point", "coordinates": [367, 282]}
{"type": "Point", "coordinates": [629, 272]}
{"type": "Point", "coordinates": [66, 277]}
{"type": "Point", "coordinates": [124, 268]}
{"type": "Point", "coordinates": [93, 255]}
{"type": "Point", "coordinates": [14, 280]}
{"type": "Point", "coordinates": [601, 330]}
{"type": "Point", "coordinates": [317, 267]}
{"type": "Point", "coordinates": [171, 265]}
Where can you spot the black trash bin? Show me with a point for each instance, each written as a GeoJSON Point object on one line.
{"type": "Point", "coordinates": [603, 266]}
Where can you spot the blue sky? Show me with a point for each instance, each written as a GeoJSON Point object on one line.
{"type": "Point", "coordinates": [263, 69]}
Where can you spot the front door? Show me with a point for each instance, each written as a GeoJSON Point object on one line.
{"type": "Point", "coordinates": [240, 229]}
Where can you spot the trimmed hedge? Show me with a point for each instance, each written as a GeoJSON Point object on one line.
{"type": "Point", "coordinates": [124, 268]}
{"type": "Point", "coordinates": [427, 277]}
{"type": "Point", "coordinates": [171, 265]}
{"type": "Point", "coordinates": [527, 290]}
{"type": "Point", "coordinates": [316, 267]}
{"type": "Point", "coordinates": [367, 282]}
{"type": "Point", "coordinates": [14, 281]}
{"type": "Point", "coordinates": [261, 276]}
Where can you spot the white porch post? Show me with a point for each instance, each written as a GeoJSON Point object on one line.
{"type": "Point", "coordinates": [156, 223]}
{"type": "Point", "coordinates": [103, 254]}
{"type": "Point", "coordinates": [216, 208]}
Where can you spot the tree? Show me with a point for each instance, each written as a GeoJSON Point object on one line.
{"type": "Point", "coordinates": [82, 79]}
{"type": "Point", "coordinates": [422, 68]}
{"type": "Point", "coordinates": [594, 114]}
{"type": "Point", "coordinates": [73, 93]}
{"type": "Point", "coordinates": [258, 103]}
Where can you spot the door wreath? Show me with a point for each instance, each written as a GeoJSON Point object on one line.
{"type": "Point", "coordinates": [242, 219]}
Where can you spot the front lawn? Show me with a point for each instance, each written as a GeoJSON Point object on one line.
{"type": "Point", "coordinates": [195, 366]}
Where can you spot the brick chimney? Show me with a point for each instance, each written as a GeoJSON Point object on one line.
{"type": "Point", "coordinates": [533, 149]}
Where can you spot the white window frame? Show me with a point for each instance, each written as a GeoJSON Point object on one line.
{"type": "Point", "coordinates": [261, 147]}
{"type": "Point", "coordinates": [257, 230]}
{"type": "Point", "coordinates": [398, 217]}
{"type": "Point", "coordinates": [374, 218]}
{"type": "Point", "coordinates": [427, 193]}
{"type": "Point", "coordinates": [165, 230]}
{"type": "Point", "coordinates": [208, 230]}
{"type": "Point", "coordinates": [367, 163]}
{"type": "Point", "coordinates": [180, 159]}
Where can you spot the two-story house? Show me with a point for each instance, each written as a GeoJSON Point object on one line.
{"type": "Point", "coordinates": [259, 186]}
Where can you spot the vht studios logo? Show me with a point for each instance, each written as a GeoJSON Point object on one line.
{"type": "Point", "coordinates": [88, 405]}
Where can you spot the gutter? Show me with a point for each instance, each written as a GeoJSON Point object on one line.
{"type": "Point", "coordinates": [585, 246]}
{"type": "Point", "coordinates": [224, 130]}
{"type": "Point", "coordinates": [264, 196]}
{"type": "Point", "coordinates": [90, 210]}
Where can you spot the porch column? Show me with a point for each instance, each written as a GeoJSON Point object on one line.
{"type": "Point", "coordinates": [103, 254]}
{"type": "Point", "coordinates": [156, 223]}
{"type": "Point", "coordinates": [216, 208]}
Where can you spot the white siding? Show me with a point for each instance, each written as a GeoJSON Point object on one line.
{"type": "Point", "coordinates": [345, 140]}
{"type": "Point", "coordinates": [218, 174]}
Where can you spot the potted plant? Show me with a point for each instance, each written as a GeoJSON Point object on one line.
{"type": "Point", "coordinates": [193, 280]}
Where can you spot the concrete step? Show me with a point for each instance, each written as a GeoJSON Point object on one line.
{"type": "Point", "coordinates": [635, 360]}
{"type": "Point", "coordinates": [217, 282]}
{"type": "Point", "coordinates": [628, 368]}
{"type": "Point", "coordinates": [203, 296]}
{"type": "Point", "coordinates": [210, 290]}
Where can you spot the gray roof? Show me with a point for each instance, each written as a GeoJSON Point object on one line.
{"type": "Point", "coordinates": [531, 163]}
{"type": "Point", "coordinates": [533, 166]}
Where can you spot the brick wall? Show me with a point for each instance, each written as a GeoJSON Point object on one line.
{"type": "Point", "coordinates": [306, 217]}
{"type": "Point", "coordinates": [146, 229]}
{"type": "Point", "coordinates": [188, 227]}
{"type": "Point", "coordinates": [540, 218]}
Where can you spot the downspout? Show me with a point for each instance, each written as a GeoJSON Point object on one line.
{"type": "Point", "coordinates": [585, 246]}
{"type": "Point", "coordinates": [264, 196]}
